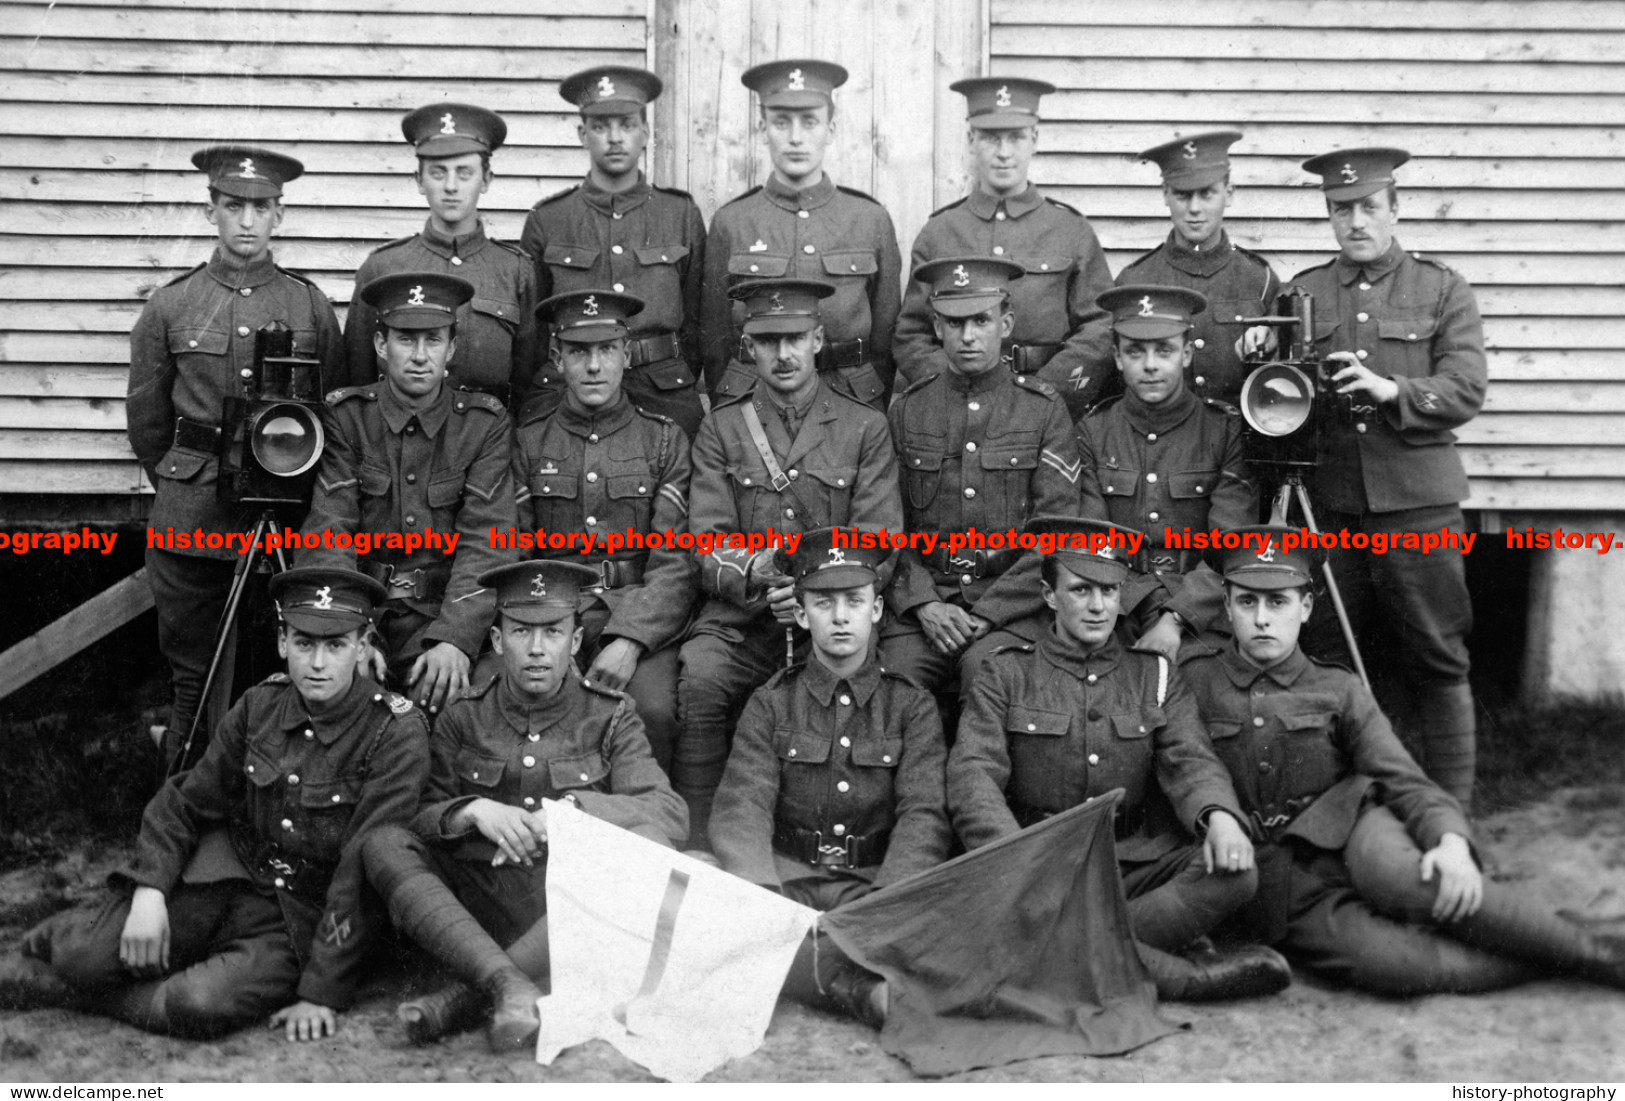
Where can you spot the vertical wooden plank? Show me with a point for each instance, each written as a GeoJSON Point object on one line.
{"type": "Point", "coordinates": [844, 33]}
{"type": "Point", "coordinates": [904, 112]}
{"type": "Point", "coordinates": [671, 55]}
{"type": "Point", "coordinates": [961, 32]}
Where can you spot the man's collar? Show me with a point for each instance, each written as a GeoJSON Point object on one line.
{"type": "Point", "coordinates": [602, 421]}
{"type": "Point", "coordinates": [821, 681]}
{"type": "Point", "coordinates": [229, 271]}
{"type": "Point", "coordinates": [615, 202]}
{"type": "Point", "coordinates": [1244, 673]}
{"type": "Point", "coordinates": [1163, 417]}
{"type": "Point", "coordinates": [988, 380]}
{"type": "Point", "coordinates": [293, 713]}
{"type": "Point", "coordinates": [397, 415]}
{"type": "Point", "coordinates": [808, 198]}
{"type": "Point", "coordinates": [985, 206]}
{"type": "Point", "coordinates": [1203, 261]}
{"type": "Point", "coordinates": [1067, 655]}
{"type": "Point", "coordinates": [445, 246]}
{"type": "Point", "coordinates": [1349, 270]}
{"type": "Point", "coordinates": [527, 716]}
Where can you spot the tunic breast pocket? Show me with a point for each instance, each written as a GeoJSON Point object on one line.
{"type": "Point", "coordinates": [570, 265]}
{"type": "Point", "coordinates": [326, 808]}
{"type": "Point", "coordinates": [1045, 268]}
{"type": "Point", "coordinates": [555, 483]}
{"type": "Point", "coordinates": [1119, 487]}
{"type": "Point", "coordinates": [1231, 747]}
{"type": "Point", "coordinates": [445, 497]}
{"type": "Point", "coordinates": [1008, 478]}
{"type": "Point", "coordinates": [1407, 345]}
{"type": "Point", "coordinates": [754, 498]}
{"type": "Point", "coordinates": [758, 265]}
{"type": "Point", "coordinates": [1310, 758]}
{"type": "Point", "coordinates": [631, 499]}
{"type": "Point", "coordinates": [877, 752]}
{"type": "Point", "coordinates": [923, 476]}
{"type": "Point", "coordinates": [1127, 763]}
{"type": "Point", "coordinates": [850, 265]}
{"type": "Point", "coordinates": [661, 268]}
{"type": "Point", "coordinates": [503, 312]}
{"type": "Point", "coordinates": [803, 781]}
{"type": "Point", "coordinates": [586, 772]}
{"type": "Point", "coordinates": [478, 773]}
{"type": "Point", "coordinates": [1037, 742]}
{"type": "Point", "coordinates": [376, 492]}
{"type": "Point", "coordinates": [1190, 490]}
{"type": "Point", "coordinates": [829, 490]}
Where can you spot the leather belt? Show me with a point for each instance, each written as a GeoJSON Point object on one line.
{"type": "Point", "coordinates": [304, 878]}
{"type": "Point", "coordinates": [1125, 821]}
{"type": "Point", "coordinates": [841, 353]}
{"type": "Point", "coordinates": [977, 563]}
{"type": "Point", "coordinates": [499, 391]}
{"type": "Point", "coordinates": [422, 583]}
{"type": "Point", "coordinates": [1169, 561]}
{"type": "Point", "coordinates": [652, 349]}
{"type": "Point", "coordinates": [1026, 359]}
{"type": "Point", "coordinates": [810, 847]}
{"type": "Point", "coordinates": [195, 436]}
{"type": "Point", "coordinates": [1272, 826]}
{"type": "Point", "coordinates": [618, 573]}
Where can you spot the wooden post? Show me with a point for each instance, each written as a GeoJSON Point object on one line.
{"type": "Point", "coordinates": [60, 640]}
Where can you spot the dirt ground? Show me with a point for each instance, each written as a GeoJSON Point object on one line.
{"type": "Point", "coordinates": [1568, 849]}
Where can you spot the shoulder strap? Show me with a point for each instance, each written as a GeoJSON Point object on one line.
{"type": "Point", "coordinates": [781, 483]}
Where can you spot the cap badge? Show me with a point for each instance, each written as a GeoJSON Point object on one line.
{"type": "Point", "coordinates": [1349, 175]}
{"type": "Point", "coordinates": [606, 87]}
{"type": "Point", "coordinates": [589, 307]}
{"type": "Point", "coordinates": [415, 297]}
{"type": "Point", "coordinates": [798, 83]}
{"type": "Point", "coordinates": [448, 124]}
{"type": "Point", "coordinates": [837, 556]}
{"type": "Point", "coordinates": [247, 167]}
{"type": "Point", "coordinates": [324, 598]}
{"type": "Point", "coordinates": [1105, 552]}
{"type": "Point", "coordinates": [1146, 306]}
{"type": "Point", "coordinates": [1002, 97]}
{"type": "Point", "coordinates": [961, 276]}
{"type": "Point", "coordinates": [1190, 151]}
{"type": "Point", "coordinates": [775, 302]}
{"type": "Point", "coordinates": [538, 585]}
{"type": "Point", "coordinates": [1268, 553]}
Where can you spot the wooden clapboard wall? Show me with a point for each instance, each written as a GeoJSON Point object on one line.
{"type": "Point", "coordinates": [1511, 110]}
{"type": "Point", "coordinates": [102, 104]}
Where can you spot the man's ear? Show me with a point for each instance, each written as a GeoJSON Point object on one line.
{"type": "Point", "coordinates": [1049, 594]}
{"type": "Point", "coordinates": [575, 640]}
{"type": "Point", "coordinates": [800, 612]}
{"type": "Point", "coordinates": [818, 340]}
{"type": "Point", "coordinates": [496, 639]}
{"type": "Point", "coordinates": [379, 343]}
{"type": "Point", "coordinates": [878, 610]}
{"type": "Point", "coordinates": [1007, 323]}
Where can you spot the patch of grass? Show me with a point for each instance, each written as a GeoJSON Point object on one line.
{"type": "Point", "coordinates": [1526, 751]}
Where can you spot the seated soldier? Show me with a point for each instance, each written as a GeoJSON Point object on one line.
{"type": "Point", "coordinates": [471, 874]}
{"type": "Point", "coordinates": [834, 787]}
{"type": "Point", "coordinates": [596, 464]}
{"type": "Point", "coordinates": [420, 474]}
{"type": "Point", "coordinates": [1366, 867]}
{"type": "Point", "coordinates": [1157, 459]}
{"type": "Point", "coordinates": [980, 448]}
{"type": "Point", "coordinates": [1050, 725]}
{"type": "Point", "coordinates": [791, 455]}
{"type": "Point", "coordinates": [246, 892]}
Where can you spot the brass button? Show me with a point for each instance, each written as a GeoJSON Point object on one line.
{"type": "Point", "coordinates": [529, 762]}
{"type": "Point", "coordinates": [966, 579]}
{"type": "Point", "coordinates": [838, 830]}
{"type": "Point", "coordinates": [1365, 286]}
{"type": "Point", "coordinates": [584, 777]}
{"type": "Point", "coordinates": [293, 779]}
{"type": "Point", "coordinates": [1092, 677]}
{"type": "Point", "coordinates": [1151, 516]}
{"type": "Point", "coordinates": [1362, 316]}
{"type": "Point", "coordinates": [310, 733]}
{"type": "Point", "coordinates": [803, 214]}
{"type": "Point", "coordinates": [970, 491]}
{"type": "Point", "coordinates": [287, 823]}
{"type": "Point", "coordinates": [846, 743]}
{"type": "Point", "coordinates": [1360, 428]}
{"type": "Point", "coordinates": [242, 330]}
{"type": "Point", "coordinates": [1150, 437]}
{"type": "Point", "coordinates": [616, 249]}
{"type": "Point", "coordinates": [619, 287]}
{"type": "Point", "coordinates": [411, 479]}
{"type": "Point", "coordinates": [191, 344]}
{"type": "Point", "coordinates": [411, 520]}
{"type": "Point", "coordinates": [808, 249]}
{"type": "Point", "coordinates": [1031, 727]}
{"type": "Point", "coordinates": [1361, 354]}
{"type": "Point", "coordinates": [789, 514]}
{"type": "Point", "coordinates": [846, 701]}
{"type": "Point", "coordinates": [999, 216]}
{"type": "Point", "coordinates": [246, 291]}
{"type": "Point", "coordinates": [593, 438]}
{"type": "Point", "coordinates": [592, 521]}
{"type": "Point", "coordinates": [843, 786]}
{"type": "Point", "coordinates": [529, 802]}
{"type": "Point", "coordinates": [793, 473]}
{"type": "Point", "coordinates": [457, 260]}
{"type": "Point", "coordinates": [592, 475]}
{"type": "Point", "coordinates": [1094, 758]}
{"type": "Point", "coordinates": [1200, 343]}
{"type": "Point", "coordinates": [974, 406]}
{"type": "Point", "coordinates": [998, 250]}
{"type": "Point", "coordinates": [1263, 766]}
{"type": "Point", "coordinates": [1152, 477]}
{"type": "Point", "coordinates": [885, 758]}
{"type": "Point", "coordinates": [338, 798]}
{"type": "Point", "coordinates": [280, 882]}
{"type": "Point", "coordinates": [792, 753]}
{"type": "Point", "coordinates": [1258, 720]}
{"type": "Point", "coordinates": [971, 446]}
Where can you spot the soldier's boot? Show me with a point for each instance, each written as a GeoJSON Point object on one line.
{"type": "Point", "coordinates": [822, 977]}
{"type": "Point", "coordinates": [29, 983]}
{"type": "Point", "coordinates": [1208, 975]}
{"type": "Point", "coordinates": [425, 909]}
{"type": "Point", "coordinates": [1513, 925]}
{"type": "Point", "coordinates": [1449, 738]}
{"type": "Point", "coordinates": [459, 1007]}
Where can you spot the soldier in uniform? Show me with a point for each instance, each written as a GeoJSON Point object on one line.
{"type": "Point", "coordinates": [1403, 336]}
{"type": "Point", "coordinates": [1367, 869]}
{"type": "Point", "coordinates": [1047, 726]}
{"type": "Point", "coordinates": [1200, 256]}
{"type": "Point", "coordinates": [801, 225]}
{"type": "Point", "coordinates": [792, 455]}
{"type": "Point", "coordinates": [834, 787]}
{"type": "Point", "coordinates": [246, 894]}
{"type": "Point", "coordinates": [980, 448]}
{"type": "Point", "coordinates": [470, 875]}
{"type": "Point", "coordinates": [1060, 335]}
{"type": "Point", "coordinates": [409, 459]}
{"type": "Point", "coordinates": [599, 466]}
{"type": "Point", "coordinates": [496, 331]}
{"type": "Point", "coordinates": [192, 348]}
{"type": "Point", "coordinates": [615, 230]}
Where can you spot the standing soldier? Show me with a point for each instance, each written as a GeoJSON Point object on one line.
{"type": "Point", "coordinates": [980, 448]}
{"type": "Point", "coordinates": [1404, 338]}
{"type": "Point", "coordinates": [597, 465]}
{"type": "Point", "coordinates": [1199, 255]}
{"type": "Point", "coordinates": [193, 348]}
{"type": "Point", "coordinates": [791, 455]}
{"type": "Point", "coordinates": [408, 459]}
{"type": "Point", "coordinates": [1059, 334]}
{"type": "Point", "coordinates": [801, 225]}
{"type": "Point", "coordinates": [617, 231]}
{"type": "Point", "coordinates": [496, 331]}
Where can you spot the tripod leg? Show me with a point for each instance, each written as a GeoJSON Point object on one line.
{"type": "Point", "coordinates": [1333, 592]}
{"type": "Point", "coordinates": [1282, 502]}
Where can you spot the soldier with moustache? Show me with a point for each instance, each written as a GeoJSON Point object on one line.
{"type": "Point", "coordinates": [800, 225]}
{"type": "Point", "coordinates": [617, 231]}
{"type": "Point", "coordinates": [497, 349]}
{"type": "Point", "coordinates": [598, 465]}
{"type": "Point", "coordinates": [1060, 335]}
{"type": "Point", "coordinates": [1200, 256]}
{"type": "Point", "coordinates": [192, 348]}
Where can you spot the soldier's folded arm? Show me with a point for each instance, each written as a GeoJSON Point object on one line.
{"type": "Point", "coordinates": [639, 799]}
{"type": "Point", "coordinates": [921, 835]}
{"type": "Point", "coordinates": [488, 502]}
{"type": "Point", "coordinates": [1454, 392]}
{"type": "Point", "coordinates": [979, 763]}
{"type": "Point", "coordinates": [742, 819]}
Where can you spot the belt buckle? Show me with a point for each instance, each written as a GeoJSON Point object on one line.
{"type": "Point", "coordinates": [406, 584]}
{"type": "Point", "coordinates": [832, 856]}
{"type": "Point", "coordinates": [781, 482]}
{"type": "Point", "coordinates": [965, 565]}
{"type": "Point", "coordinates": [606, 574]}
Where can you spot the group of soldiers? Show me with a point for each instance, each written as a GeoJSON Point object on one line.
{"type": "Point", "coordinates": [832, 715]}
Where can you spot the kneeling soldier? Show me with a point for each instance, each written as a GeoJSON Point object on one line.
{"type": "Point", "coordinates": [835, 784]}
{"type": "Point", "coordinates": [471, 873]}
{"type": "Point", "coordinates": [246, 893]}
{"type": "Point", "coordinates": [1366, 867]}
{"type": "Point", "coordinates": [1050, 725]}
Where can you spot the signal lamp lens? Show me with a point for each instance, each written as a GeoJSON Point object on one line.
{"type": "Point", "coordinates": [286, 439]}
{"type": "Point", "coordinates": [1276, 399]}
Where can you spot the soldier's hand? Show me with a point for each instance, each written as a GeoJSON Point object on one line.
{"type": "Point", "coordinates": [1258, 340]}
{"type": "Point", "coordinates": [949, 629]}
{"type": "Point", "coordinates": [615, 664]}
{"type": "Point", "coordinates": [782, 600]}
{"type": "Point", "coordinates": [1226, 847]}
{"type": "Point", "coordinates": [143, 946]}
{"type": "Point", "coordinates": [440, 674]}
{"type": "Point", "coordinates": [517, 834]}
{"type": "Point", "coordinates": [306, 1021]}
{"type": "Point", "coordinates": [1461, 884]}
{"type": "Point", "coordinates": [1356, 378]}
{"type": "Point", "coordinates": [1163, 637]}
